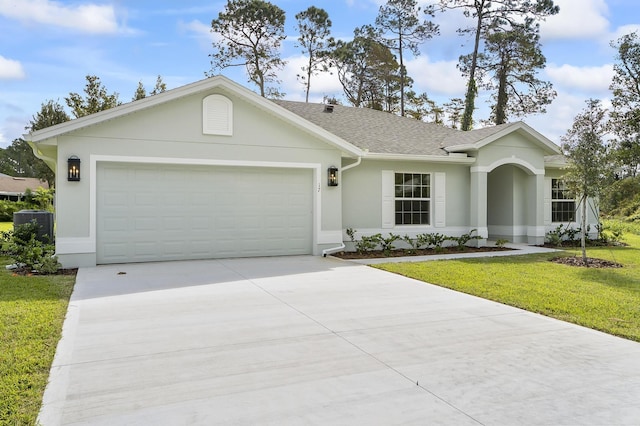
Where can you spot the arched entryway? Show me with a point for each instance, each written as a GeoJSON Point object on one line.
{"type": "Point", "coordinates": [509, 203]}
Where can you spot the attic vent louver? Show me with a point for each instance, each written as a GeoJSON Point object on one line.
{"type": "Point", "coordinates": [328, 108]}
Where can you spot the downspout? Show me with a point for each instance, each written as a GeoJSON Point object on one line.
{"type": "Point", "coordinates": [341, 247]}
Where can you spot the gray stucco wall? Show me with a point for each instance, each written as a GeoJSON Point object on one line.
{"type": "Point", "coordinates": [362, 196]}
{"type": "Point", "coordinates": [174, 130]}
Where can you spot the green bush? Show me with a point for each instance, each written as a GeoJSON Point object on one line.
{"type": "Point", "coordinates": [8, 208]}
{"type": "Point", "coordinates": [622, 198]}
{"type": "Point", "coordinates": [27, 251]}
{"type": "Point", "coordinates": [463, 239]}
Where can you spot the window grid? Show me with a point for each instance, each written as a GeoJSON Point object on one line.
{"type": "Point", "coordinates": [563, 206]}
{"type": "Point", "coordinates": [412, 198]}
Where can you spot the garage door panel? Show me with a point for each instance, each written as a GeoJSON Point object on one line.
{"type": "Point", "coordinates": [169, 212]}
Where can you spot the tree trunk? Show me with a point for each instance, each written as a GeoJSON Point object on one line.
{"type": "Point", "coordinates": [402, 73]}
{"type": "Point", "coordinates": [308, 77]}
{"type": "Point", "coordinates": [469, 104]}
{"type": "Point", "coordinates": [501, 102]}
{"type": "Point", "coordinates": [583, 230]}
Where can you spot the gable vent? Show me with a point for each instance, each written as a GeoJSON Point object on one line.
{"type": "Point", "coordinates": [217, 115]}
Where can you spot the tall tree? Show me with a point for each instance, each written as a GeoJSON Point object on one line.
{"type": "Point", "coordinates": [490, 15]}
{"type": "Point", "coordinates": [314, 29]}
{"type": "Point", "coordinates": [50, 114]}
{"type": "Point", "coordinates": [402, 29]}
{"type": "Point", "coordinates": [509, 67]}
{"type": "Point", "coordinates": [19, 159]}
{"type": "Point", "coordinates": [453, 110]}
{"type": "Point", "coordinates": [587, 156]}
{"type": "Point", "coordinates": [625, 116]}
{"type": "Point", "coordinates": [367, 70]}
{"type": "Point", "coordinates": [96, 98]}
{"type": "Point", "coordinates": [250, 32]}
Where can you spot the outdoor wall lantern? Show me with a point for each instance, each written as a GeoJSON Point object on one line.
{"type": "Point", "coordinates": [73, 169]}
{"type": "Point", "coordinates": [332, 173]}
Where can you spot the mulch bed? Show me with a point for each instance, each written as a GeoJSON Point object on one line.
{"type": "Point", "coordinates": [28, 273]}
{"type": "Point", "coordinates": [591, 262]}
{"type": "Point", "coordinates": [422, 252]}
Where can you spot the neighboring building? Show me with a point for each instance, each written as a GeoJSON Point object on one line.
{"type": "Point", "coordinates": [212, 170]}
{"type": "Point", "coordinates": [14, 188]}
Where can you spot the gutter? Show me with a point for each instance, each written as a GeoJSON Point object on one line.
{"type": "Point", "coordinates": [341, 247]}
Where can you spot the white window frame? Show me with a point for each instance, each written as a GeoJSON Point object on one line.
{"type": "Point", "coordinates": [404, 199]}
{"type": "Point", "coordinates": [563, 200]}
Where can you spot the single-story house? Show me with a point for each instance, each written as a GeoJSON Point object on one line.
{"type": "Point", "coordinates": [14, 188]}
{"type": "Point", "coordinates": [212, 170]}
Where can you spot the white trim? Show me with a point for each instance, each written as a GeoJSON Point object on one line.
{"type": "Point", "coordinates": [93, 173]}
{"type": "Point", "coordinates": [539, 138]}
{"type": "Point", "coordinates": [536, 231]}
{"type": "Point", "coordinates": [439, 195]}
{"type": "Point", "coordinates": [75, 245]}
{"type": "Point", "coordinates": [388, 198]}
{"type": "Point", "coordinates": [451, 159]}
{"type": "Point", "coordinates": [511, 160]}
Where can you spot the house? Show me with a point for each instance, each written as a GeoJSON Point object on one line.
{"type": "Point", "coordinates": [212, 170]}
{"type": "Point", "coordinates": [14, 188]}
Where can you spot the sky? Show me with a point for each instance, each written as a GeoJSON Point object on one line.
{"type": "Point", "coordinates": [47, 48]}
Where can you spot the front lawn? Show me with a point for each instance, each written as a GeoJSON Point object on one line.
{"type": "Point", "coordinates": [32, 310]}
{"type": "Point", "coordinates": [602, 299]}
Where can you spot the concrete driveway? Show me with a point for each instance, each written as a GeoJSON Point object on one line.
{"type": "Point", "coordinates": [307, 340]}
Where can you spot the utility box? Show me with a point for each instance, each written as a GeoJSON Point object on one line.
{"type": "Point", "coordinates": [42, 218]}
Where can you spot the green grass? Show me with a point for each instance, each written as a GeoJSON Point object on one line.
{"type": "Point", "coordinates": [6, 226]}
{"type": "Point", "coordinates": [32, 310]}
{"type": "Point", "coordinates": [603, 299]}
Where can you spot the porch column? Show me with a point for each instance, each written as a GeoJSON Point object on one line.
{"type": "Point", "coordinates": [535, 208]}
{"type": "Point", "coordinates": [478, 206]}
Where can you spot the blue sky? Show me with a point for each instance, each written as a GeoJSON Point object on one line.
{"type": "Point", "coordinates": [47, 48]}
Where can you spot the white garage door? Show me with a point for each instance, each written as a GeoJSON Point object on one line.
{"type": "Point", "coordinates": [170, 212]}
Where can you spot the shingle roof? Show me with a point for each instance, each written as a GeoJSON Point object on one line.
{"type": "Point", "coordinates": [18, 185]}
{"type": "Point", "coordinates": [377, 131]}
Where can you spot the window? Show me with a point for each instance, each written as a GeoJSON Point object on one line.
{"type": "Point", "coordinates": [413, 198]}
{"type": "Point", "coordinates": [563, 206]}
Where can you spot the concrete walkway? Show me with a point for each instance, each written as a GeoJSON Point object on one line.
{"type": "Point", "coordinates": [310, 340]}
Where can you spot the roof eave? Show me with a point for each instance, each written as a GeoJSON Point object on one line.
{"type": "Point", "coordinates": [449, 159]}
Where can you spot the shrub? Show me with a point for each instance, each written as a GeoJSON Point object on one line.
{"type": "Point", "coordinates": [23, 246]}
{"type": "Point", "coordinates": [463, 239]}
{"type": "Point", "coordinates": [365, 243]}
{"type": "Point", "coordinates": [386, 244]}
{"type": "Point", "coordinates": [368, 243]}
{"type": "Point", "coordinates": [501, 242]}
{"type": "Point", "coordinates": [413, 244]}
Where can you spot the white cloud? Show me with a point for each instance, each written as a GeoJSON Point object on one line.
{"type": "Point", "coordinates": [10, 69]}
{"type": "Point", "coordinates": [323, 84]}
{"type": "Point", "coordinates": [624, 30]}
{"type": "Point", "coordinates": [577, 19]}
{"type": "Point", "coordinates": [595, 80]}
{"type": "Point", "coordinates": [436, 78]}
{"type": "Point", "coordinates": [86, 18]}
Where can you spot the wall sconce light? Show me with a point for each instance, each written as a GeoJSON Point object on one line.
{"type": "Point", "coordinates": [332, 174]}
{"type": "Point", "coordinates": [73, 169]}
